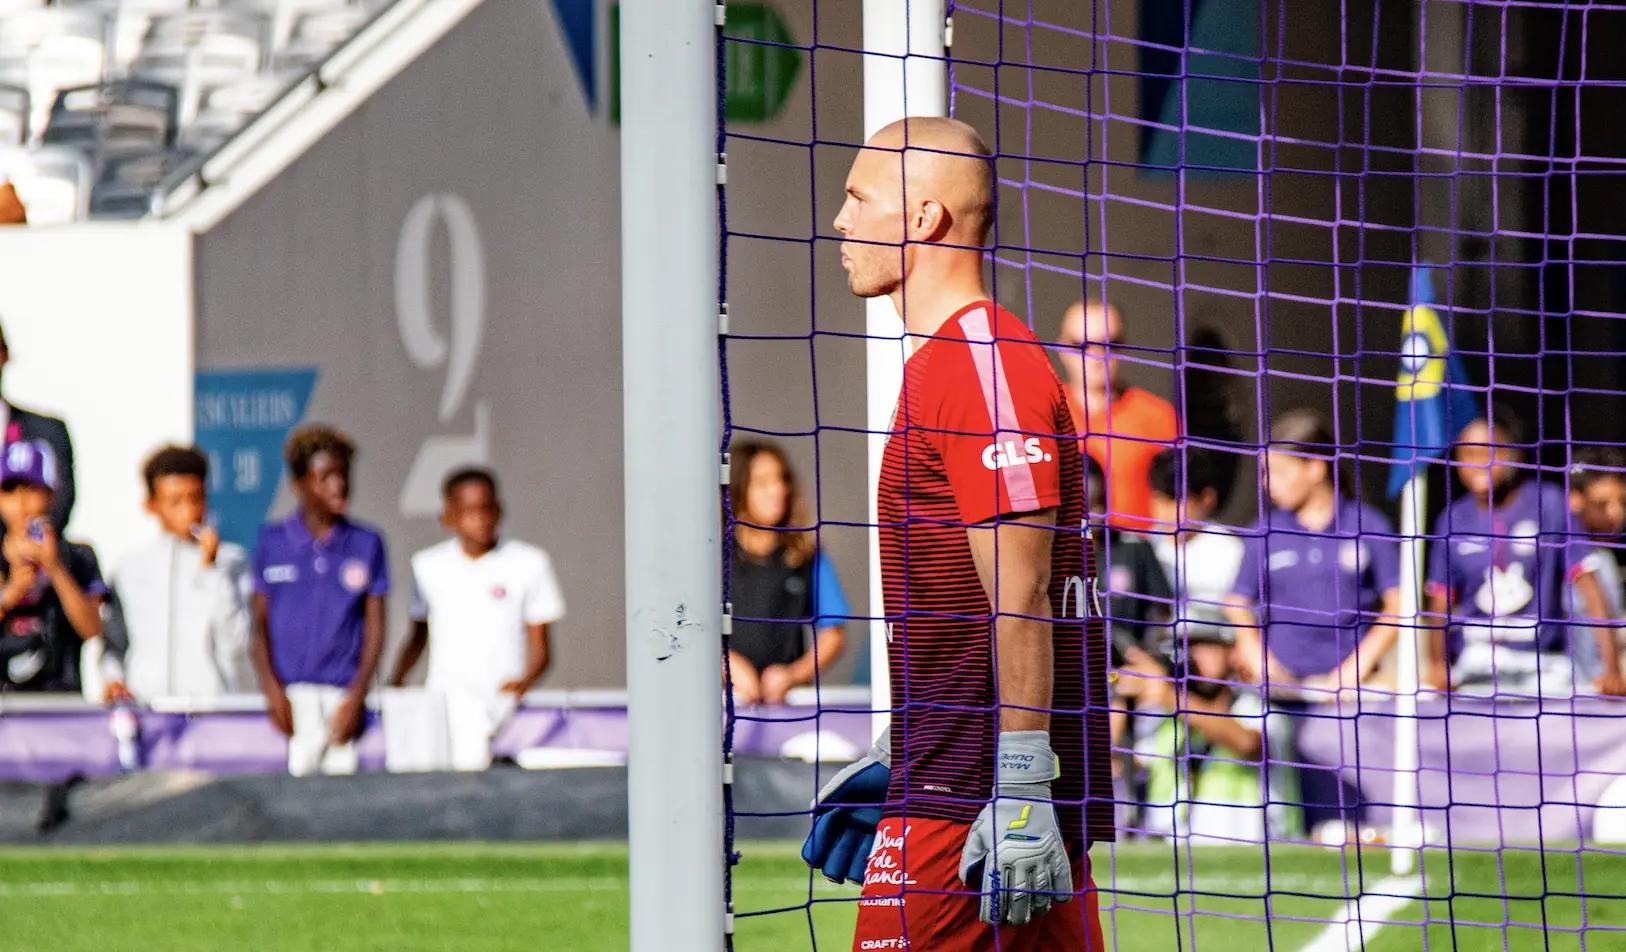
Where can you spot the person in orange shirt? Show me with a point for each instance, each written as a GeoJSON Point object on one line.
{"type": "Point", "coordinates": [1126, 426]}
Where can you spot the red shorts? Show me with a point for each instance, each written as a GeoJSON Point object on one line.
{"type": "Point", "coordinates": [913, 900]}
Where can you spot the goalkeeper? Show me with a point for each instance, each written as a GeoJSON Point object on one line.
{"type": "Point", "coordinates": [977, 813]}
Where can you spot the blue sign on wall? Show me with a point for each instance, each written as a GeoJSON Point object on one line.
{"type": "Point", "coordinates": [242, 419]}
{"type": "Point", "coordinates": [577, 19]}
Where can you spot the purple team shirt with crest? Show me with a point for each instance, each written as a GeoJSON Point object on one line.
{"type": "Point", "coordinates": [1505, 568]}
{"type": "Point", "coordinates": [1317, 592]}
{"type": "Point", "coordinates": [316, 593]}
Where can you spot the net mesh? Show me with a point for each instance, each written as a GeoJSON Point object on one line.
{"type": "Point", "coordinates": [1286, 205]}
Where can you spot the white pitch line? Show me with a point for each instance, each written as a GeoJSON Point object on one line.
{"type": "Point", "coordinates": [69, 888]}
{"type": "Point", "coordinates": [1364, 915]}
{"type": "Point", "coordinates": [45, 889]}
{"type": "Point", "coordinates": [294, 887]}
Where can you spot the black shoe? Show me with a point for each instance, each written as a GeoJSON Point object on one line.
{"type": "Point", "coordinates": [54, 811]}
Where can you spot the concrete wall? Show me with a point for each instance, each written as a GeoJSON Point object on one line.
{"type": "Point", "coordinates": [111, 355]}
{"type": "Point", "coordinates": [447, 259]}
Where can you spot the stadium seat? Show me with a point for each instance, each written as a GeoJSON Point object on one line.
{"type": "Point", "coordinates": [52, 181]}
{"type": "Point", "coordinates": [138, 86]}
{"type": "Point", "coordinates": [226, 108]}
{"type": "Point", "coordinates": [318, 34]}
{"type": "Point", "coordinates": [190, 26]}
{"type": "Point", "coordinates": [283, 15]}
{"type": "Point", "coordinates": [194, 68]}
{"type": "Point", "coordinates": [13, 115]}
{"type": "Point", "coordinates": [49, 49]}
{"type": "Point", "coordinates": [117, 117]}
{"type": "Point", "coordinates": [127, 24]}
{"type": "Point", "coordinates": [126, 184]}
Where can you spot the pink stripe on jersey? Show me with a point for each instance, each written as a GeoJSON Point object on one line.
{"type": "Point", "coordinates": [996, 392]}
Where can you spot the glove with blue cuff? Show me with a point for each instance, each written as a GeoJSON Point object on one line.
{"type": "Point", "coordinates": [846, 813]}
{"type": "Point", "coordinates": [1014, 854]}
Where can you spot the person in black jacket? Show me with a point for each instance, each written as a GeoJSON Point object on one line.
{"type": "Point", "coordinates": [1139, 598]}
{"type": "Point", "coordinates": [18, 424]}
{"type": "Point", "coordinates": [790, 613]}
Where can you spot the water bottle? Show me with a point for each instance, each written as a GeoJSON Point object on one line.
{"type": "Point", "coordinates": [126, 728]}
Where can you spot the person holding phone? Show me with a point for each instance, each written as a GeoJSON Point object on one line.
{"type": "Point", "coordinates": [51, 597]}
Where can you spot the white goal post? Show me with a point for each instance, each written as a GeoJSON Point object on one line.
{"type": "Point", "coordinates": [669, 175]}
{"type": "Point", "coordinates": [905, 74]}
{"type": "Point", "coordinates": [672, 426]}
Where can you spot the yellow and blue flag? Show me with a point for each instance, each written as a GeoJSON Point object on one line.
{"type": "Point", "coordinates": [1432, 401]}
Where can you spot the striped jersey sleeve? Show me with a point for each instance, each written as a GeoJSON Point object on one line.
{"type": "Point", "coordinates": [992, 412]}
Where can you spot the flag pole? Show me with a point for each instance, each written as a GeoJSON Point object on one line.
{"type": "Point", "coordinates": [1407, 829]}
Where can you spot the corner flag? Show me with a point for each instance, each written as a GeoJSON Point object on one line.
{"type": "Point", "coordinates": [1431, 406]}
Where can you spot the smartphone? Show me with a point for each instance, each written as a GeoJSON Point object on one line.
{"type": "Point", "coordinates": [36, 530]}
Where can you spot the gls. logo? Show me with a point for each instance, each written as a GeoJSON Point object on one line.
{"type": "Point", "coordinates": [1000, 455]}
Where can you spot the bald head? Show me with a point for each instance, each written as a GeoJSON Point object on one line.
{"type": "Point", "coordinates": [1092, 321]}
{"type": "Point", "coordinates": [1086, 329]}
{"type": "Point", "coordinates": [944, 160]}
{"type": "Point", "coordinates": [917, 183]}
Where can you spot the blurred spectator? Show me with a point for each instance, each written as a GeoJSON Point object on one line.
{"type": "Point", "coordinates": [184, 595]}
{"type": "Point", "coordinates": [790, 613]}
{"type": "Point", "coordinates": [319, 587]}
{"type": "Point", "coordinates": [19, 424]}
{"type": "Point", "coordinates": [1321, 578]}
{"type": "Point", "coordinates": [1209, 400]}
{"type": "Point", "coordinates": [1138, 593]}
{"type": "Point", "coordinates": [1203, 753]}
{"type": "Point", "coordinates": [1315, 597]}
{"type": "Point", "coordinates": [1199, 558]}
{"type": "Point", "coordinates": [488, 602]}
{"type": "Point", "coordinates": [1598, 501]}
{"type": "Point", "coordinates": [1137, 609]}
{"type": "Point", "coordinates": [51, 600]}
{"type": "Point", "coordinates": [1496, 573]}
{"type": "Point", "coordinates": [1127, 425]}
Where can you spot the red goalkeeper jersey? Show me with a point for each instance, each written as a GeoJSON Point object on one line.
{"type": "Point", "coordinates": [982, 430]}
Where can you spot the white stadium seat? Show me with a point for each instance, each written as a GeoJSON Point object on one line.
{"type": "Point", "coordinates": [50, 49]}
{"type": "Point", "coordinates": [194, 68]}
{"type": "Point", "coordinates": [52, 181]}
{"type": "Point", "coordinates": [318, 34]}
{"type": "Point", "coordinates": [283, 14]}
{"type": "Point", "coordinates": [13, 115]}
{"type": "Point", "coordinates": [127, 21]}
{"type": "Point", "coordinates": [223, 61]}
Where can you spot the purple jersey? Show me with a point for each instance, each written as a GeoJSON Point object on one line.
{"type": "Point", "coordinates": [316, 593]}
{"type": "Point", "coordinates": [1318, 591]}
{"type": "Point", "coordinates": [1504, 569]}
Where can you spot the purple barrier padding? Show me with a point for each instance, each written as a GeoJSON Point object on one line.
{"type": "Point", "coordinates": [53, 745]}
{"type": "Point", "coordinates": [762, 732]}
{"type": "Point", "coordinates": [1496, 772]}
{"type": "Point", "coordinates": [49, 747]}
{"type": "Point", "coordinates": [582, 728]}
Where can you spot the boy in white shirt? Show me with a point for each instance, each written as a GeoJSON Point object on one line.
{"type": "Point", "coordinates": [482, 606]}
{"type": "Point", "coordinates": [184, 595]}
{"type": "Point", "coordinates": [1200, 558]}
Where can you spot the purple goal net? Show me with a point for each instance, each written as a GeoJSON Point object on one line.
{"type": "Point", "coordinates": [1335, 295]}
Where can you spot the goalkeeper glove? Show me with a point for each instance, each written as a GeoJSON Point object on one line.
{"type": "Point", "coordinates": [1014, 853]}
{"type": "Point", "coordinates": [846, 813]}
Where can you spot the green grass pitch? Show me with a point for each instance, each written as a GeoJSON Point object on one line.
{"type": "Point", "coordinates": [423, 897]}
